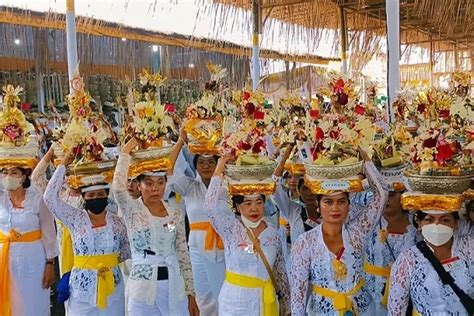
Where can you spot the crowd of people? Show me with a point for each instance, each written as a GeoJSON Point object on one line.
{"type": "Point", "coordinates": [174, 239]}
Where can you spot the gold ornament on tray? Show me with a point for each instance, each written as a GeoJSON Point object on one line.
{"type": "Point", "coordinates": [18, 146]}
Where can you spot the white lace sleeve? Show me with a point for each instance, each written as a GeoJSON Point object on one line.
{"type": "Point", "coordinates": [281, 276]}
{"type": "Point", "coordinates": [48, 231]}
{"type": "Point", "coordinates": [300, 274]}
{"type": "Point", "coordinates": [289, 209]}
{"type": "Point", "coordinates": [400, 284]}
{"type": "Point", "coordinates": [67, 214]}
{"type": "Point", "coordinates": [119, 186]}
{"type": "Point", "coordinates": [366, 221]}
{"type": "Point", "coordinates": [183, 254]}
{"type": "Point", "coordinates": [125, 252]}
{"type": "Point", "coordinates": [179, 183]}
{"type": "Point", "coordinates": [224, 224]}
{"type": "Point", "coordinates": [38, 176]}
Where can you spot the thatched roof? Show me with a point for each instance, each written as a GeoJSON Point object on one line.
{"type": "Point", "coordinates": [89, 25]}
{"type": "Point", "coordinates": [421, 21]}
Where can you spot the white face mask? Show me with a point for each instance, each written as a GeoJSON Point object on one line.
{"type": "Point", "coordinates": [11, 183]}
{"type": "Point", "coordinates": [437, 235]}
{"type": "Point", "coordinates": [250, 224]}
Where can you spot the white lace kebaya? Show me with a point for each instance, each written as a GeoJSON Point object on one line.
{"type": "Point", "coordinates": [241, 259]}
{"type": "Point", "coordinates": [312, 262]}
{"type": "Point", "coordinates": [381, 250]}
{"type": "Point", "coordinates": [87, 241]}
{"type": "Point", "coordinates": [413, 277]}
{"type": "Point", "coordinates": [154, 242]}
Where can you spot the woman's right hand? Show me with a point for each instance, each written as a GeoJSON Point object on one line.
{"type": "Point", "coordinates": [220, 168]}
{"type": "Point", "coordinates": [130, 145]}
{"type": "Point", "coordinates": [68, 159]}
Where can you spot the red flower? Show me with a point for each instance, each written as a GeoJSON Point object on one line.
{"type": "Point", "coordinates": [430, 143]}
{"type": "Point", "coordinates": [250, 108]}
{"type": "Point", "coordinates": [319, 133]}
{"type": "Point", "coordinates": [339, 86]}
{"type": "Point", "coordinates": [444, 153]}
{"type": "Point", "coordinates": [359, 109]}
{"type": "Point", "coordinates": [170, 108]}
{"type": "Point", "coordinates": [314, 114]}
{"type": "Point", "coordinates": [342, 98]}
{"type": "Point", "coordinates": [77, 150]}
{"type": "Point", "coordinates": [25, 106]}
{"type": "Point", "coordinates": [258, 115]}
{"type": "Point", "coordinates": [444, 113]}
{"type": "Point", "coordinates": [246, 95]}
{"type": "Point", "coordinates": [334, 134]}
{"type": "Point", "coordinates": [243, 145]}
{"type": "Point", "coordinates": [257, 147]}
{"type": "Point", "coordinates": [12, 131]}
{"type": "Point", "coordinates": [421, 108]}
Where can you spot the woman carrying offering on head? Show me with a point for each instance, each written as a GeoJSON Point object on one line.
{"type": "Point", "coordinates": [327, 261]}
{"type": "Point", "coordinates": [160, 281]}
{"type": "Point", "coordinates": [100, 243]}
{"type": "Point", "coordinates": [248, 288]}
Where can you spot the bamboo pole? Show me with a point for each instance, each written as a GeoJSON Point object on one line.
{"type": "Point", "coordinates": [343, 40]}
{"type": "Point", "coordinates": [392, 9]}
{"type": "Point", "coordinates": [71, 39]}
{"type": "Point", "coordinates": [256, 43]}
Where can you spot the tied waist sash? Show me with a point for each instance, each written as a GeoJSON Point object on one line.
{"type": "Point", "coordinates": [176, 288]}
{"type": "Point", "coordinates": [269, 301]}
{"type": "Point", "coordinates": [383, 272]}
{"type": "Point", "coordinates": [341, 301]}
{"type": "Point", "coordinates": [6, 240]}
{"type": "Point", "coordinates": [103, 264]}
{"type": "Point", "coordinates": [213, 240]}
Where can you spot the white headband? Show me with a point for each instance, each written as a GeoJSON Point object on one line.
{"type": "Point", "coordinates": [155, 174]}
{"type": "Point", "coordinates": [252, 196]}
{"type": "Point", "coordinates": [95, 187]}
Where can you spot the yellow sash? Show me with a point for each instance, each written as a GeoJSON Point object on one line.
{"type": "Point", "coordinates": [105, 278]}
{"type": "Point", "coordinates": [269, 300]}
{"type": "Point", "coordinates": [6, 240]}
{"type": "Point", "coordinates": [340, 300]}
{"type": "Point", "coordinates": [213, 240]}
{"type": "Point", "coordinates": [67, 253]}
{"type": "Point", "coordinates": [383, 272]}
{"type": "Point", "coordinates": [283, 222]}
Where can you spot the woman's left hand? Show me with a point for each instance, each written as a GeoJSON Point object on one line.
{"type": "Point", "coordinates": [364, 155]}
{"type": "Point", "coordinates": [192, 306]}
{"type": "Point", "coordinates": [48, 276]}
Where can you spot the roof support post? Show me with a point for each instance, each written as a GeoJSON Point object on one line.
{"type": "Point", "coordinates": [256, 43]}
{"type": "Point", "coordinates": [392, 9]}
{"type": "Point", "coordinates": [343, 32]}
{"type": "Point", "coordinates": [71, 40]}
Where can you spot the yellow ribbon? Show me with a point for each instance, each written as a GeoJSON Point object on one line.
{"type": "Point", "coordinates": [283, 222]}
{"type": "Point", "coordinates": [103, 264]}
{"type": "Point", "coordinates": [340, 300]}
{"type": "Point", "coordinates": [269, 300]}
{"type": "Point", "coordinates": [5, 284]}
{"type": "Point", "coordinates": [383, 272]}
{"type": "Point", "coordinates": [67, 253]}
{"type": "Point", "coordinates": [213, 240]}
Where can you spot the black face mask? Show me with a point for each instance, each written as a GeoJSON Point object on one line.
{"type": "Point", "coordinates": [96, 206]}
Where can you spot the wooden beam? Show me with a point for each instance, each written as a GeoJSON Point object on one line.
{"type": "Point", "coordinates": [284, 3]}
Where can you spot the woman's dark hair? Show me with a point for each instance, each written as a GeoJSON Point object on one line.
{"type": "Point", "coordinates": [300, 183]}
{"type": "Point", "coordinates": [196, 157]}
{"type": "Point", "coordinates": [141, 177]}
{"type": "Point", "coordinates": [27, 172]}
{"type": "Point", "coordinates": [469, 207]}
{"type": "Point", "coordinates": [239, 199]}
{"type": "Point", "coordinates": [420, 215]}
